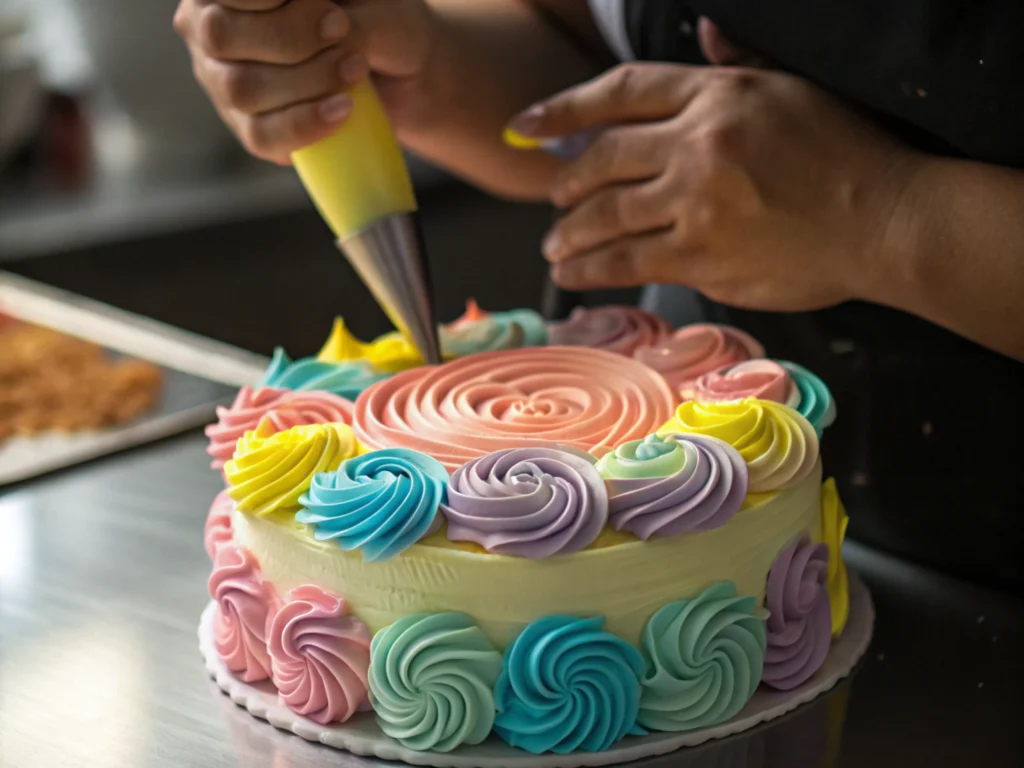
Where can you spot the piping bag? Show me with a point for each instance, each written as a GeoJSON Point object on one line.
{"type": "Point", "coordinates": [358, 180]}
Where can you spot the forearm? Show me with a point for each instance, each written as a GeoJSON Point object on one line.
{"type": "Point", "coordinates": [491, 60]}
{"type": "Point", "coordinates": [956, 254]}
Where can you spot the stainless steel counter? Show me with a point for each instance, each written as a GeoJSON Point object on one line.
{"type": "Point", "coordinates": [103, 577]}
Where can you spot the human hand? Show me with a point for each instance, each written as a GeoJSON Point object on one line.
{"type": "Point", "coordinates": [277, 71]}
{"type": "Point", "coordinates": [752, 186]}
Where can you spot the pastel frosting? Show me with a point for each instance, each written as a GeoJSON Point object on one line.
{"type": "Point", "coordinates": [816, 403]}
{"type": "Point", "coordinates": [533, 326]}
{"type": "Point", "coordinates": [703, 660]}
{"type": "Point", "coordinates": [588, 399]}
{"type": "Point", "coordinates": [271, 470]}
{"type": "Point", "coordinates": [282, 407]}
{"type": "Point", "coordinates": [567, 685]}
{"type": "Point", "coordinates": [763, 379]}
{"type": "Point", "coordinates": [431, 681]}
{"type": "Point", "coordinates": [833, 529]}
{"type": "Point", "coordinates": [693, 350]}
{"type": "Point", "coordinates": [527, 502]}
{"type": "Point", "coordinates": [380, 503]}
{"type": "Point", "coordinates": [217, 531]}
{"type": "Point", "coordinates": [619, 329]}
{"type": "Point", "coordinates": [800, 619]}
{"type": "Point", "coordinates": [320, 656]}
{"type": "Point", "coordinates": [244, 601]}
{"type": "Point", "coordinates": [347, 379]}
{"type": "Point", "coordinates": [779, 446]}
{"type": "Point", "coordinates": [674, 484]}
{"type": "Point", "coordinates": [389, 353]}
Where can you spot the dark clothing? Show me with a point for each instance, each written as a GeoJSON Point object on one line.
{"type": "Point", "coordinates": [926, 449]}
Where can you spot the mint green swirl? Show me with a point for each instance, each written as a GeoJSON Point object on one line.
{"type": "Point", "coordinates": [431, 681]}
{"type": "Point", "coordinates": [346, 379]}
{"type": "Point", "coordinates": [649, 458]}
{"type": "Point", "coordinates": [703, 660]}
{"type": "Point", "coordinates": [816, 403]}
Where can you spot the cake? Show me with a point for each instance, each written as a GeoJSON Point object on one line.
{"type": "Point", "coordinates": [551, 546]}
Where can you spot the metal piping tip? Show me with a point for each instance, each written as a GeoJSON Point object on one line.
{"type": "Point", "coordinates": [390, 258]}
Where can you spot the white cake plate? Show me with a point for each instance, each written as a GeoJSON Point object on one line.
{"type": "Point", "coordinates": [361, 736]}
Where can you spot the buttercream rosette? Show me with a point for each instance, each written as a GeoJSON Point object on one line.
{"type": "Point", "coordinates": [589, 399]}
{"type": "Point", "coordinates": [527, 502]}
{"type": "Point", "coordinates": [816, 403]}
{"type": "Point", "coordinates": [320, 656]}
{"type": "Point", "coordinates": [619, 329]}
{"type": "Point", "coordinates": [779, 446]}
{"type": "Point", "coordinates": [380, 503]}
{"type": "Point", "coordinates": [217, 532]}
{"type": "Point", "coordinates": [533, 326]}
{"type": "Point", "coordinates": [693, 350]}
{"type": "Point", "coordinates": [833, 530]}
{"type": "Point", "coordinates": [271, 469]}
{"type": "Point", "coordinates": [800, 619]}
{"type": "Point", "coordinates": [347, 379]}
{"type": "Point", "coordinates": [431, 681]}
{"type": "Point", "coordinates": [672, 485]}
{"type": "Point", "coordinates": [283, 409]}
{"type": "Point", "coordinates": [703, 660]}
{"type": "Point", "coordinates": [244, 602]}
{"type": "Point", "coordinates": [567, 685]}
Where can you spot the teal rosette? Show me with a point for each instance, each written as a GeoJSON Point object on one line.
{"type": "Point", "coordinates": [535, 328]}
{"type": "Point", "coordinates": [380, 503]}
{"type": "Point", "coordinates": [346, 379]}
{"type": "Point", "coordinates": [567, 685]}
{"type": "Point", "coordinates": [703, 660]}
{"type": "Point", "coordinates": [816, 403]}
{"type": "Point", "coordinates": [431, 681]}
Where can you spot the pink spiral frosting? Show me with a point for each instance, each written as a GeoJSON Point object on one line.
{"type": "Point", "coordinates": [763, 379]}
{"type": "Point", "coordinates": [587, 399]}
{"type": "Point", "coordinates": [320, 656]}
{"type": "Point", "coordinates": [283, 408]}
{"type": "Point", "coordinates": [800, 620]}
{"type": "Point", "coordinates": [617, 329]}
{"type": "Point", "coordinates": [696, 349]}
{"type": "Point", "coordinates": [218, 532]}
{"type": "Point", "coordinates": [244, 600]}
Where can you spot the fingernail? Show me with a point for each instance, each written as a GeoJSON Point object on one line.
{"type": "Point", "coordinates": [528, 123]}
{"type": "Point", "coordinates": [552, 245]}
{"type": "Point", "coordinates": [354, 68]}
{"type": "Point", "coordinates": [335, 108]}
{"type": "Point", "coordinates": [333, 26]}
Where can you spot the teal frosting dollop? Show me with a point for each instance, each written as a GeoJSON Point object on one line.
{"type": "Point", "coordinates": [431, 681]}
{"type": "Point", "coordinates": [535, 329]}
{"type": "Point", "coordinates": [346, 379]}
{"type": "Point", "coordinates": [567, 685]}
{"type": "Point", "coordinates": [816, 403]}
{"type": "Point", "coordinates": [703, 660]}
{"type": "Point", "coordinates": [380, 503]}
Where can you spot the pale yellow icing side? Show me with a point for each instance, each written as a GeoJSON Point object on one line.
{"type": "Point", "coordinates": [626, 583]}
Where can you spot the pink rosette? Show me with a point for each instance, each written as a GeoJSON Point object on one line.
{"type": "Point", "coordinates": [217, 531]}
{"type": "Point", "coordinates": [800, 620]}
{"type": "Point", "coordinates": [283, 408]}
{"type": "Point", "coordinates": [763, 379]}
{"type": "Point", "coordinates": [618, 329]}
{"type": "Point", "coordinates": [244, 601]}
{"type": "Point", "coordinates": [320, 656]}
{"type": "Point", "coordinates": [696, 349]}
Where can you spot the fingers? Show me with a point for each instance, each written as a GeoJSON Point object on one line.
{"type": "Point", "coordinates": [625, 263]}
{"type": "Point", "coordinates": [608, 216]}
{"type": "Point", "coordinates": [628, 93]}
{"type": "Point", "coordinates": [275, 135]}
{"type": "Point", "coordinates": [720, 50]}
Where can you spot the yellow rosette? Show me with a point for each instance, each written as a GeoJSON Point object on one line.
{"type": "Point", "coordinates": [833, 530]}
{"type": "Point", "coordinates": [390, 353]}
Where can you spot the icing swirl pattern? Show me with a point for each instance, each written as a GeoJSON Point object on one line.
{"type": "Point", "coordinates": [320, 656]}
{"type": "Point", "coordinates": [619, 329]}
{"type": "Point", "coordinates": [779, 446]}
{"type": "Point", "coordinates": [694, 350]}
{"type": "Point", "coordinates": [567, 685]}
{"type": "Point", "coordinates": [534, 328]}
{"type": "Point", "coordinates": [763, 379]}
{"type": "Point", "coordinates": [381, 503]}
{"type": "Point", "coordinates": [346, 379]}
{"type": "Point", "coordinates": [217, 531]}
{"type": "Point", "coordinates": [271, 470]}
{"type": "Point", "coordinates": [800, 620]}
{"type": "Point", "coordinates": [244, 600]}
{"type": "Point", "coordinates": [389, 353]}
{"type": "Point", "coordinates": [588, 399]}
{"type": "Point", "coordinates": [431, 681]}
{"type": "Point", "coordinates": [672, 485]}
{"type": "Point", "coordinates": [527, 502]}
{"type": "Point", "coordinates": [484, 335]}
{"type": "Point", "coordinates": [284, 408]}
{"type": "Point", "coordinates": [816, 403]}
{"type": "Point", "coordinates": [833, 527]}
{"type": "Point", "coordinates": [703, 660]}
